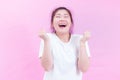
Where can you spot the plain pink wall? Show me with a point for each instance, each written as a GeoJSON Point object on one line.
{"type": "Point", "coordinates": [21, 20]}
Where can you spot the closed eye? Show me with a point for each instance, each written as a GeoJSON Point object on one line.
{"type": "Point", "coordinates": [57, 16]}
{"type": "Point", "coordinates": [66, 16]}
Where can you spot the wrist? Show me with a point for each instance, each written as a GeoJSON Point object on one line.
{"type": "Point", "coordinates": [46, 39]}
{"type": "Point", "coordinates": [82, 44]}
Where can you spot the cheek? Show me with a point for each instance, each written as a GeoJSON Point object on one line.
{"type": "Point", "coordinates": [55, 22]}
{"type": "Point", "coordinates": [69, 20]}
{"type": "Point", "coordinates": [69, 23]}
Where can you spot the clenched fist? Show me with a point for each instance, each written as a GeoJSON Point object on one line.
{"type": "Point", "coordinates": [43, 35]}
{"type": "Point", "coordinates": [86, 36]}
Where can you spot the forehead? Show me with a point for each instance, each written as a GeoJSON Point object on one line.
{"type": "Point", "coordinates": [62, 11]}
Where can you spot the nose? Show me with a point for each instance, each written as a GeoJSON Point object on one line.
{"type": "Point", "coordinates": [62, 17]}
{"type": "Point", "coordinates": [62, 20]}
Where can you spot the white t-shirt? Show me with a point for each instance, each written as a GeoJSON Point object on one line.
{"type": "Point", "coordinates": [65, 58]}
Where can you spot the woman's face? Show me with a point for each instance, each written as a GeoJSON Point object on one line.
{"type": "Point", "coordinates": [62, 21]}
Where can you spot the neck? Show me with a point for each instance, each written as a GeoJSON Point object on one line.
{"type": "Point", "coordinates": [65, 37]}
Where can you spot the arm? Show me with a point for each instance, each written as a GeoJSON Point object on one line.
{"type": "Point", "coordinates": [46, 59]}
{"type": "Point", "coordinates": [83, 59]}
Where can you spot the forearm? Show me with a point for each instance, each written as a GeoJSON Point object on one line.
{"type": "Point", "coordinates": [46, 60]}
{"type": "Point", "coordinates": [83, 60]}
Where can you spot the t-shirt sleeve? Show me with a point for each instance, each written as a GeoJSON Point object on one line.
{"type": "Point", "coordinates": [87, 49]}
{"type": "Point", "coordinates": [41, 48]}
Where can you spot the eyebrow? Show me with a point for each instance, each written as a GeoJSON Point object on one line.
{"type": "Point", "coordinates": [66, 14]}
{"type": "Point", "coordinates": [57, 14]}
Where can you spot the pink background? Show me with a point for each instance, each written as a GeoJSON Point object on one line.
{"type": "Point", "coordinates": [21, 20]}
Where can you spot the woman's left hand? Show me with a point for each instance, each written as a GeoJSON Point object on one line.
{"type": "Point", "coordinates": [86, 36]}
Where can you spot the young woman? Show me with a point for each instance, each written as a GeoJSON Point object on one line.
{"type": "Point", "coordinates": [64, 55]}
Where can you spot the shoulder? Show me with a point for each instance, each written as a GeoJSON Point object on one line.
{"type": "Point", "coordinates": [76, 36]}
{"type": "Point", "coordinates": [50, 35]}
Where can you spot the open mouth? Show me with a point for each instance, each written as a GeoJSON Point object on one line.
{"type": "Point", "coordinates": [62, 25]}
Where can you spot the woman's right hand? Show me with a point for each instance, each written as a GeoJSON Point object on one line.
{"type": "Point", "coordinates": [43, 35]}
